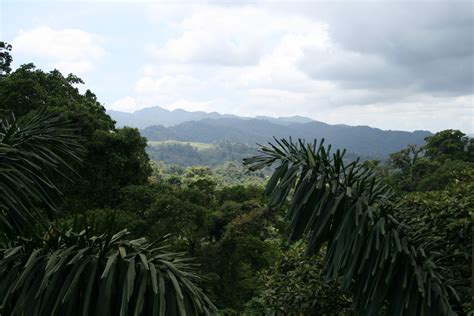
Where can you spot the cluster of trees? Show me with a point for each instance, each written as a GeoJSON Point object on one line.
{"type": "Point", "coordinates": [90, 226]}
{"type": "Point", "coordinates": [434, 184]}
{"type": "Point", "coordinates": [227, 174]}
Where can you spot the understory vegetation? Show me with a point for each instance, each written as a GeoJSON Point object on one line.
{"type": "Point", "coordinates": [90, 225]}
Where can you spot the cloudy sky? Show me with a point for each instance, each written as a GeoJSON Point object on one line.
{"type": "Point", "coordinates": [405, 65]}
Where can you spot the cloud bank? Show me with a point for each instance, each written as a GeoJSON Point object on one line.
{"type": "Point", "coordinates": [391, 64]}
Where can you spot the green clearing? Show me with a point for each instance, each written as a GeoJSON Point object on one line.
{"type": "Point", "coordinates": [196, 145]}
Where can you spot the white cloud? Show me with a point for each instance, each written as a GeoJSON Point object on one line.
{"type": "Point", "coordinates": [253, 59]}
{"type": "Point", "coordinates": [240, 59]}
{"type": "Point", "coordinates": [233, 35]}
{"type": "Point", "coordinates": [417, 112]}
{"type": "Point", "coordinates": [69, 50]}
{"type": "Point", "coordinates": [167, 84]}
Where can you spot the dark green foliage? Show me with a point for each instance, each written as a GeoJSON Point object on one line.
{"type": "Point", "coordinates": [225, 229]}
{"type": "Point", "coordinates": [240, 251]}
{"type": "Point", "coordinates": [68, 273]}
{"type": "Point", "coordinates": [437, 176]}
{"type": "Point", "coordinates": [344, 206]}
{"type": "Point", "coordinates": [445, 158]}
{"type": "Point", "coordinates": [116, 159]}
{"type": "Point", "coordinates": [113, 157]}
{"type": "Point", "coordinates": [295, 285]}
{"type": "Point", "coordinates": [73, 274]}
{"type": "Point", "coordinates": [168, 209]}
{"type": "Point", "coordinates": [139, 198]}
{"type": "Point", "coordinates": [240, 193]}
{"type": "Point", "coordinates": [76, 274]}
{"type": "Point", "coordinates": [32, 151]}
{"type": "Point", "coordinates": [187, 220]}
{"type": "Point", "coordinates": [445, 217]}
{"type": "Point", "coordinates": [450, 144]}
{"type": "Point", "coordinates": [29, 89]}
{"type": "Point", "coordinates": [105, 221]}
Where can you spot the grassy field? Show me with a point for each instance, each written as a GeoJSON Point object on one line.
{"type": "Point", "coordinates": [198, 146]}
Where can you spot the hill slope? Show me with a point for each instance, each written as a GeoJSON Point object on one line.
{"type": "Point", "coordinates": [360, 140]}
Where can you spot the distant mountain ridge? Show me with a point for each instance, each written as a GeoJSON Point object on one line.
{"type": "Point", "coordinates": [159, 124]}
{"type": "Point", "coordinates": [363, 141]}
{"type": "Point", "coordinates": [159, 116]}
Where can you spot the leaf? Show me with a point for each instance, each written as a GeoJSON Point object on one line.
{"type": "Point", "coordinates": [130, 278]}
{"type": "Point", "coordinates": [110, 261]}
{"type": "Point", "coordinates": [144, 260]}
{"type": "Point", "coordinates": [154, 281]}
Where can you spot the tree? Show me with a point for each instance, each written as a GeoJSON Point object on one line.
{"type": "Point", "coordinates": [113, 157]}
{"type": "Point", "coordinates": [296, 285]}
{"type": "Point", "coordinates": [433, 166]}
{"type": "Point", "coordinates": [445, 218]}
{"type": "Point", "coordinates": [345, 207]}
{"type": "Point", "coordinates": [67, 273]}
{"type": "Point", "coordinates": [239, 252]}
{"type": "Point", "coordinates": [450, 144]}
{"type": "Point", "coordinates": [407, 164]}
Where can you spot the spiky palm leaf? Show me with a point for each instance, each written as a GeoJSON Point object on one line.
{"type": "Point", "coordinates": [33, 151]}
{"type": "Point", "coordinates": [346, 207]}
{"type": "Point", "coordinates": [78, 275]}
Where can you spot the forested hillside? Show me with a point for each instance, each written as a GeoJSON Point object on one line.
{"type": "Point", "coordinates": [159, 124]}
{"type": "Point", "coordinates": [362, 141]}
{"type": "Point", "coordinates": [189, 154]}
{"type": "Point", "coordinates": [92, 224]}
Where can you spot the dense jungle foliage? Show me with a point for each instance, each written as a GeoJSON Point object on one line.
{"type": "Point", "coordinates": [90, 225]}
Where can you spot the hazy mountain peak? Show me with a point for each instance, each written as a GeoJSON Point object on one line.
{"type": "Point", "coordinates": [157, 115]}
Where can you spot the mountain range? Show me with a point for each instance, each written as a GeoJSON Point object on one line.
{"type": "Point", "coordinates": [159, 116]}
{"type": "Point", "coordinates": [158, 124]}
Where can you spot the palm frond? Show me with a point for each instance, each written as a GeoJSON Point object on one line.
{"type": "Point", "coordinates": [78, 275]}
{"type": "Point", "coordinates": [33, 151]}
{"type": "Point", "coordinates": [344, 206]}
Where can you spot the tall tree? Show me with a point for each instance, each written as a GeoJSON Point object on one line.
{"type": "Point", "coordinates": [450, 144]}
{"type": "Point", "coordinates": [113, 157]}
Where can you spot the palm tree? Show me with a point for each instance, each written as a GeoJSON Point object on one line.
{"type": "Point", "coordinates": [343, 206]}
{"type": "Point", "coordinates": [33, 152]}
{"type": "Point", "coordinates": [66, 273]}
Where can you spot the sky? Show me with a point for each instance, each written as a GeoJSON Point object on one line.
{"type": "Point", "coordinates": [400, 65]}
